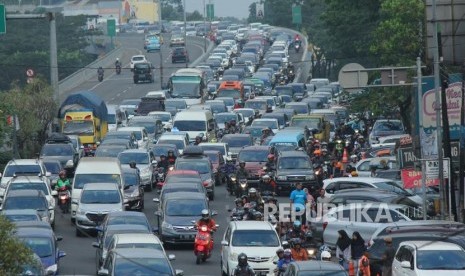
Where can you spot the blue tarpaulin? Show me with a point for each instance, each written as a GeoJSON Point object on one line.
{"type": "Point", "coordinates": [84, 100]}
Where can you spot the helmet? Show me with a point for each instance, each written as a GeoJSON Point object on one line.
{"type": "Point", "coordinates": [325, 256]}
{"type": "Point", "coordinates": [258, 216]}
{"type": "Point", "coordinates": [242, 259]}
{"type": "Point", "coordinates": [252, 191]}
{"type": "Point", "coordinates": [279, 251]}
{"type": "Point", "coordinates": [296, 242]}
{"type": "Point", "coordinates": [266, 178]}
{"type": "Point", "coordinates": [170, 152]}
{"type": "Point", "coordinates": [205, 214]}
{"type": "Point", "coordinates": [287, 253]}
{"type": "Point", "coordinates": [297, 224]}
{"type": "Point", "coordinates": [117, 59]}
{"type": "Point", "coordinates": [242, 163]}
{"type": "Point", "coordinates": [324, 248]}
{"type": "Point", "coordinates": [238, 201]}
{"type": "Point", "coordinates": [270, 157]}
{"type": "Point", "coordinates": [132, 164]}
{"type": "Point", "coordinates": [62, 173]}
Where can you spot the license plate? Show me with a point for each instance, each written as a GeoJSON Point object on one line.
{"type": "Point", "coordinates": [186, 237]}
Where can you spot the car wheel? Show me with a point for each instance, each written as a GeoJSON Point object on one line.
{"type": "Point", "coordinates": [142, 205]}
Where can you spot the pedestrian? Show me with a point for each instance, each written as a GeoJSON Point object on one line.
{"type": "Point", "coordinates": [364, 265]}
{"type": "Point", "coordinates": [357, 247]}
{"type": "Point", "coordinates": [343, 249]}
{"type": "Point", "coordinates": [299, 200]}
{"type": "Point", "coordinates": [388, 256]}
{"type": "Point", "coordinates": [310, 202]}
{"type": "Point", "coordinates": [322, 198]}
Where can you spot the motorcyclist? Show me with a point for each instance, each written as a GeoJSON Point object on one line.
{"type": "Point", "coordinates": [198, 140]}
{"type": "Point", "coordinates": [258, 216]}
{"type": "Point", "coordinates": [233, 125]}
{"type": "Point", "coordinates": [243, 268]}
{"type": "Point", "coordinates": [229, 167]}
{"type": "Point", "coordinates": [280, 254]}
{"type": "Point", "coordinates": [63, 181]}
{"type": "Point", "coordinates": [133, 165]}
{"type": "Point", "coordinates": [247, 212]}
{"type": "Point", "coordinates": [171, 158]}
{"type": "Point", "coordinates": [270, 164]}
{"type": "Point", "coordinates": [297, 37]}
{"type": "Point", "coordinates": [117, 63]}
{"type": "Point", "coordinates": [242, 173]}
{"type": "Point", "coordinates": [268, 184]}
{"type": "Point", "coordinates": [266, 132]}
{"type": "Point", "coordinates": [227, 128]}
{"type": "Point", "coordinates": [206, 220]}
{"type": "Point", "coordinates": [286, 260]}
{"type": "Point", "coordinates": [100, 71]}
{"type": "Point", "coordinates": [253, 196]}
{"type": "Point", "coordinates": [163, 163]}
{"type": "Point", "coordinates": [296, 231]}
{"type": "Point", "coordinates": [299, 253]}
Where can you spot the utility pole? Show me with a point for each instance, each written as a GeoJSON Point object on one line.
{"type": "Point", "coordinates": [161, 44]}
{"type": "Point", "coordinates": [185, 27]}
{"type": "Point", "coordinates": [53, 57]}
{"type": "Point", "coordinates": [205, 25]}
{"type": "Point", "coordinates": [420, 112]}
{"type": "Point", "coordinates": [462, 148]}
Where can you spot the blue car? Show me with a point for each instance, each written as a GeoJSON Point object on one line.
{"type": "Point", "coordinates": [153, 44]}
{"type": "Point", "coordinates": [43, 242]}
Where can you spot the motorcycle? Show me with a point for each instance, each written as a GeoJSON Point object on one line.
{"type": "Point", "coordinates": [100, 76]}
{"type": "Point", "coordinates": [64, 199]}
{"type": "Point", "coordinates": [243, 188]}
{"type": "Point", "coordinates": [160, 177]}
{"type": "Point", "coordinates": [203, 244]}
{"type": "Point", "coordinates": [297, 45]}
{"type": "Point", "coordinates": [118, 69]}
{"type": "Point", "coordinates": [232, 182]}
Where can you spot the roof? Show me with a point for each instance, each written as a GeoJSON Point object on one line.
{"type": "Point", "coordinates": [27, 179]}
{"type": "Point", "coordinates": [357, 179]}
{"type": "Point", "coordinates": [292, 153]}
{"type": "Point", "coordinates": [20, 212]}
{"type": "Point", "coordinates": [236, 135]}
{"type": "Point", "coordinates": [321, 266]}
{"type": "Point", "coordinates": [433, 245]}
{"type": "Point", "coordinates": [86, 100]}
{"type": "Point", "coordinates": [23, 162]}
{"type": "Point", "coordinates": [125, 227]}
{"type": "Point", "coordinates": [100, 186]}
{"type": "Point", "coordinates": [182, 172]}
{"type": "Point", "coordinates": [34, 232]}
{"type": "Point", "coordinates": [252, 225]}
{"type": "Point", "coordinates": [130, 238]}
{"type": "Point", "coordinates": [131, 128]}
{"type": "Point", "coordinates": [135, 151]}
{"type": "Point", "coordinates": [137, 253]}
{"type": "Point", "coordinates": [33, 224]}
{"type": "Point", "coordinates": [364, 191]}
{"type": "Point", "coordinates": [256, 148]}
{"type": "Point", "coordinates": [24, 193]}
{"type": "Point", "coordinates": [361, 205]}
{"type": "Point", "coordinates": [185, 196]}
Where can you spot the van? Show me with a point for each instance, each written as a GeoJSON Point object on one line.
{"type": "Point", "coordinates": [180, 141]}
{"type": "Point", "coordinates": [94, 170]}
{"type": "Point", "coordinates": [316, 123]}
{"type": "Point", "coordinates": [196, 123]}
{"type": "Point", "coordinates": [231, 89]}
{"type": "Point", "coordinates": [116, 117]}
{"type": "Point", "coordinates": [288, 140]}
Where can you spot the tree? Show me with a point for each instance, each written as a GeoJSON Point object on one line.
{"type": "Point", "coordinates": [194, 16]}
{"type": "Point", "coordinates": [15, 255]}
{"type": "Point", "coordinates": [252, 13]}
{"type": "Point", "coordinates": [35, 108]}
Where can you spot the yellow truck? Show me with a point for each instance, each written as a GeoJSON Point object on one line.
{"type": "Point", "coordinates": [316, 123]}
{"type": "Point", "coordinates": [84, 114]}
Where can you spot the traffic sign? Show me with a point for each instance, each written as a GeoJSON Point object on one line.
{"type": "Point", "coordinates": [30, 73]}
{"type": "Point", "coordinates": [210, 11]}
{"type": "Point", "coordinates": [2, 19]}
{"type": "Point", "coordinates": [297, 14]}
{"type": "Point", "coordinates": [432, 168]}
{"type": "Point", "coordinates": [111, 27]}
{"type": "Point", "coordinates": [353, 76]}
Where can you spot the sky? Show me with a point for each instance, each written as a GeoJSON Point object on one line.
{"type": "Point", "coordinates": [235, 8]}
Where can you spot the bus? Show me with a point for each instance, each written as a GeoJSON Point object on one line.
{"type": "Point", "coordinates": [231, 89]}
{"type": "Point", "coordinates": [188, 84]}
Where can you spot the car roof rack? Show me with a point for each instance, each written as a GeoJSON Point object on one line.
{"type": "Point", "coordinates": [193, 151]}
{"type": "Point", "coordinates": [57, 138]}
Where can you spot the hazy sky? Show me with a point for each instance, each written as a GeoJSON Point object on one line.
{"type": "Point", "coordinates": [236, 8]}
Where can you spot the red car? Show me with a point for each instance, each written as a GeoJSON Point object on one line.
{"type": "Point", "coordinates": [255, 158]}
{"type": "Point", "coordinates": [180, 175]}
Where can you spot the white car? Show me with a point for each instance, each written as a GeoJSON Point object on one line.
{"type": "Point", "coordinates": [165, 118]}
{"type": "Point", "coordinates": [31, 167]}
{"type": "Point", "coordinates": [426, 258]}
{"type": "Point", "coordinates": [268, 122]}
{"type": "Point", "coordinates": [141, 135]}
{"type": "Point", "coordinates": [385, 127]}
{"type": "Point", "coordinates": [363, 167]}
{"type": "Point", "coordinates": [387, 141]}
{"type": "Point", "coordinates": [32, 183]}
{"type": "Point", "coordinates": [258, 239]}
{"type": "Point", "coordinates": [137, 59]}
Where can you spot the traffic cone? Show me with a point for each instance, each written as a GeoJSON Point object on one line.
{"type": "Point", "coordinates": [345, 156]}
{"type": "Point", "coordinates": [351, 268]}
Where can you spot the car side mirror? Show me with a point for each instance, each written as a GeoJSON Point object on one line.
{"type": "Point", "coordinates": [61, 254]}
{"type": "Point", "coordinates": [224, 243]}
{"type": "Point", "coordinates": [171, 257]}
{"type": "Point", "coordinates": [54, 193]}
{"type": "Point", "coordinates": [179, 272]}
{"type": "Point", "coordinates": [405, 264]}
{"type": "Point", "coordinates": [96, 244]}
{"type": "Point", "coordinates": [103, 272]}
{"type": "Point", "coordinates": [59, 238]}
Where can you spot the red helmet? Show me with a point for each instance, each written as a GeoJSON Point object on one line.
{"type": "Point", "coordinates": [62, 173]}
{"type": "Point", "coordinates": [270, 157]}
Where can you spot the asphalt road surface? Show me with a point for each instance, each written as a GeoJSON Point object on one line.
{"type": "Point", "coordinates": [80, 259]}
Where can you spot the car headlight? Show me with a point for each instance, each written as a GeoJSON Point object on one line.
{"type": "Point", "coordinates": [233, 257]}
{"type": "Point", "coordinates": [166, 225]}
{"type": "Point", "coordinates": [281, 177]}
{"type": "Point", "coordinates": [52, 268]}
{"type": "Point", "coordinates": [145, 171]}
{"type": "Point", "coordinates": [45, 218]}
{"type": "Point", "coordinates": [311, 252]}
{"type": "Point", "coordinates": [309, 177]}
{"type": "Point", "coordinates": [233, 178]}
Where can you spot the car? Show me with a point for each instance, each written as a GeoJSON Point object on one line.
{"type": "Point", "coordinates": [153, 44]}
{"type": "Point", "coordinates": [179, 54]}
{"type": "Point", "coordinates": [144, 261]}
{"type": "Point", "coordinates": [180, 186]}
{"type": "Point", "coordinates": [129, 106]}
{"type": "Point", "coordinates": [179, 141]}
{"type": "Point", "coordinates": [428, 258]}
{"type": "Point", "coordinates": [111, 150]}
{"type": "Point", "coordinates": [362, 217]}
{"type": "Point", "coordinates": [31, 167]}
{"type": "Point", "coordinates": [43, 242]}
{"type": "Point", "coordinates": [21, 215]}
{"type": "Point", "coordinates": [54, 168]}
{"type": "Point", "coordinates": [133, 190]}
{"type": "Point", "coordinates": [95, 202]}
{"type": "Point", "coordinates": [255, 158]}
{"type": "Point", "coordinates": [271, 123]}
{"type": "Point", "coordinates": [60, 150]}
{"type": "Point", "coordinates": [177, 40]}
{"type": "Point", "coordinates": [140, 133]}
{"type": "Point", "coordinates": [176, 215]}
{"type": "Point", "coordinates": [145, 162]}
{"type": "Point", "coordinates": [217, 161]}
{"type": "Point", "coordinates": [144, 72]}
{"type": "Point", "coordinates": [175, 176]}
{"type": "Point", "coordinates": [165, 117]}
{"type": "Point", "coordinates": [30, 199]}
{"type": "Point", "coordinates": [130, 136]}
{"type": "Point", "coordinates": [236, 142]}
{"type": "Point", "coordinates": [226, 117]}
{"type": "Point", "coordinates": [105, 238]}
{"type": "Point", "coordinates": [385, 127]}
{"type": "Point", "coordinates": [316, 268]}
{"type": "Point", "coordinates": [194, 159]}
{"type": "Point", "coordinates": [137, 240]}
{"type": "Point", "coordinates": [124, 217]}
{"type": "Point", "coordinates": [282, 118]}
{"type": "Point", "coordinates": [364, 167]}
{"type": "Point", "coordinates": [33, 183]}
{"type": "Point", "coordinates": [153, 127]}
{"type": "Point", "coordinates": [258, 239]}
{"type": "Point", "coordinates": [292, 167]}
{"type": "Point", "coordinates": [163, 149]}
{"type": "Point", "coordinates": [221, 147]}
{"type": "Point", "coordinates": [137, 59]}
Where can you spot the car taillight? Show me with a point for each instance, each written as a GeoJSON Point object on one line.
{"type": "Point", "coordinates": [324, 225]}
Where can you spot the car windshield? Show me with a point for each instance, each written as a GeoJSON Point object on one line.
{"type": "Point", "coordinates": [222, 118]}
{"type": "Point", "coordinates": [43, 247]}
{"type": "Point", "coordinates": [259, 238]}
{"type": "Point", "coordinates": [256, 105]}
{"type": "Point", "coordinates": [227, 102]}
{"type": "Point", "coordinates": [18, 217]}
{"type": "Point", "coordinates": [57, 150]}
{"type": "Point", "coordinates": [219, 148]}
{"type": "Point", "coordinates": [185, 208]}
{"type": "Point", "coordinates": [138, 157]}
{"type": "Point", "coordinates": [142, 266]}
{"type": "Point", "coordinates": [53, 167]}
{"type": "Point", "coordinates": [29, 186]}
{"type": "Point", "coordinates": [237, 142]}
{"type": "Point", "coordinates": [78, 127]}
{"type": "Point", "coordinates": [81, 179]}
{"type": "Point", "coordinates": [322, 273]}
{"type": "Point", "coordinates": [178, 143]}
{"type": "Point", "coordinates": [294, 163]}
{"type": "Point", "coordinates": [441, 260]}
{"type": "Point", "coordinates": [200, 166]}
{"type": "Point", "coordinates": [156, 246]}
{"type": "Point", "coordinates": [190, 125]}
{"type": "Point", "coordinates": [112, 151]}
{"type": "Point", "coordinates": [388, 126]}
{"type": "Point", "coordinates": [253, 156]}
{"type": "Point", "coordinates": [12, 169]}
{"type": "Point", "coordinates": [25, 202]}
{"type": "Point", "coordinates": [162, 117]}
{"type": "Point", "coordinates": [246, 112]}
{"type": "Point", "coordinates": [160, 150]}
{"type": "Point", "coordinates": [177, 104]}
{"type": "Point", "coordinates": [234, 93]}
{"type": "Point", "coordinates": [300, 109]}
{"type": "Point", "coordinates": [100, 197]}
{"type": "Point", "coordinates": [309, 123]}
{"type": "Point", "coordinates": [131, 179]}
{"type": "Point", "coordinates": [265, 123]}
{"type": "Point", "coordinates": [149, 126]}
{"type": "Point", "coordinates": [393, 187]}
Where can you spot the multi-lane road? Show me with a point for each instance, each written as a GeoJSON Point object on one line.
{"type": "Point", "coordinates": [80, 259]}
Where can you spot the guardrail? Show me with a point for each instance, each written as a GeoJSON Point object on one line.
{"type": "Point", "coordinates": [210, 47]}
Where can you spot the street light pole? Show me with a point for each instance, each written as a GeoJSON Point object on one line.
{"type": "Point", "coordinates": [161, 45]}
{"type": "Point", "coordinates": [185, 28]}
{"type": "Point", "coordinates": [205, 25]}
{"type": "Point", "coordinates": [54, 58]}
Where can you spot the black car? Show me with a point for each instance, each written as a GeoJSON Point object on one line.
{"type": "Point", "coordinates": [143, 72]}
{"type": "Point", "coordinates": [133, 191]}
{"type": "Point", "coordinates": [317, 268]}
{"type": "Point", "coordinates": [149, 104]}
{"type": "Point", "coordinates": [294, 167]}
{"type": "Point", "coordinates": [60, 148]}
{"type": "Point", "coordinates": [179, 54]}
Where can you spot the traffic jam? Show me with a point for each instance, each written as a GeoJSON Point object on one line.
{"type": "Point", "coordinates": [311, 188]}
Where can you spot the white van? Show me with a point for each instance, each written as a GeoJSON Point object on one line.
{"type": "Point", "coordinates": [94, 170]}
{"type": "Point", "coordinates": [141, 135]}
{"type": "Point", "coordinates": [196, 123]}
{"type": "Point", "coordinates": [181, 141]}
{"type": "Point", "coordinates": [116, 117]}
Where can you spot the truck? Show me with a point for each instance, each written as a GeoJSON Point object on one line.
{"type": "Point", "coordinates": [84, 114]}
{"type": "Point", "coordinates": [314, 122]}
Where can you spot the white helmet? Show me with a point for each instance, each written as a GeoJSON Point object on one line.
{"type": "Point", "coordinates": [325, 256]}
{"type": "Point", "coordinates": [117, 59]}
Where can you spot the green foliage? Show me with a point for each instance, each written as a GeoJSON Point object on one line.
{"type": "Point", "coordinates": [172, 10]}
{"type": "Point", "coordinates": [397, 39]}
{"type": "Point", "coordinates": [194, 16]}
{"type": "Point", "coordinates": [15, 255]}
{"type": "Point", "coordinates": [26, 45]}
